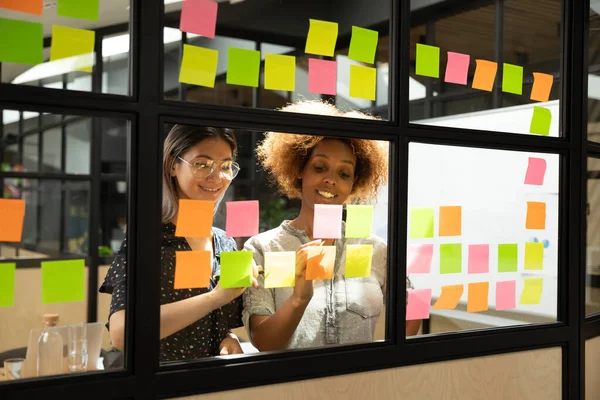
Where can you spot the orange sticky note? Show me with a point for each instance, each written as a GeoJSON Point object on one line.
{"type": "Point", "coordinates": [485, 74]}
{"type": "Point", "coordinates": [195, 218]}
{"type": "Point", "coordinates": [449, 298]}
{"type": "Point", "coordinates": [12, 214]}
{"type": "Point", "coordinates": [450, 220]}
{"type": "Point", "coordinates": [542, 85]}
{"type": "Point", "coordinates": [536, 215]}
{"type": "Point", "coordinates": [27, 6]}
{"type": "Point", "coordinates": [320, 262]}
{"type": "Point", "coordinates": [192, 269]}
{"type": "Point", "coordinates": [478, 297]}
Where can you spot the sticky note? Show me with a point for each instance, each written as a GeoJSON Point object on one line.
{"type": "Point", "coordinates": [532, 291]}
{"type": "Point", "coordinates": [508, 257]}
{"type": "Point", "coordinates": [71, 42]}
{"type": "Point", "coordinates": [243, 67]}
{"type": "Point", "coordinates": [280, 269]}
{"type": "Point", "coordinates": [63, 281]}
{"type": "Point", "coordinates": [419, 258]}
{"type": "Point", "coordinates": [195, 218]}
{"type": "Point", "coordinates": [12, 214]}
{"type": "Point", "coordinates": [21, 41]}
{"type": "Point", "coordinates": [27, 6]}
{"type": "Point", "coordinates": [322, 76]}
{"type": "Point", "coordinates": [536, 170]}
{"type": "Point", "coordinates": [328, 221]}
{"type": "Point", "coordinates": [321, 39]}
{"type": "Point", "coordinates": [536, 215]}
{"type": "Point", "coordinates": [449, 298]}
{"type": "Point", "coordinates": [506, 295]}
{"type": "Point", "coordinates": [485, 74]}
{"type": "Point", "coordinates": [419, 301]}
{"type": "Point", "coordinates": [534, 255]}
{"type": "Point", "coordinates": [320, 262]}
{"type": "Point", "coordinates": [479, 259]}
{"type": "Point", "coordinates": [363, 81]}
{"type": "Point", "coordinates": [242, 218]}
{"type": "Point", "coordinates": [457, 68]}
{"type": "Point", "coordinates": [421, 223]}
{"type": "Point", "coordinates": [280, 72]}
{"type": "Point", "coordinates": [512, 79]}
{"type": "Point", "coordinates": [193, 269]}
{"type": "Point", "coordinates": [358, 260]}
{"type": "Point", "coordinates": [450, 221]}
{"type": "Point", "coordinates": [478, 296]}
{"type": "Point", "coordinates": [540, 121]}
{"type": "Point", "coordinates": [199, 66]}
{"type": "Point", "coordinates": [236, 269]}
{"type": "Point", "coordinates": [450, 258]}
{"type": "Point", "coordinates": [428, 61]}
{"type": "Point", "coordinates": [542, 85]}
{"type": "Point", "coordinates": [80, 9]}
{"type": "Point", "coordinates": [359, 221]}
{"type": "Point", "coordinates": [199, 17]}
{"type": "Point", "coordinates": [363, 45]}
{"type": "Point", "coordinates": [7, 284]}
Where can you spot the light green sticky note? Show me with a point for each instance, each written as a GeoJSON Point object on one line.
{"type": "Point", "coordinates": [243, 67]}
{"type": "Point", "coordinates": [21, 42]}
{"type": "Point", "coordinates": [80, 9]}
{"type": "Point", "coordinates": [199, 66]}
{"type": "Point", "coordinates": [359, 221]}
{"type": "Point", "coordinates": [280, 72]}
{"type": "Point", "coordinates": [363, 81]}
{"type": "Point", "coordinates": [71, 42]}
{"type": "Point", "coordinates": [508, 257]}
{"type": "Point", "coordinates": [358, 260]}
{"type": "Point", "coordinates": [321, 39]}
{"type": "Point", "coordinates": [534, 256]}
{"type": "Point", "coordinates": [512, 79]}
{"type": "Point", "coordinates": [236, 269]}
{"type": "Point", "coordinates": [63, 281]}
{"type": "Point", "coordinates": [363, 45]}
{"type": "Point", "coordinates": [532, 291]}
{"type": "Point", "coordinates": [450, 258]}
{"type": "Point", "coordinates": [541, 120]}
{"type": "Point", "coordinates": [280, 269]}
{"type": "Point", "coordinates": [421, 223]}
{"type": "Point", "coordinates": [7, 284]}
{"type": "Point", "coordinates": [428, 61]}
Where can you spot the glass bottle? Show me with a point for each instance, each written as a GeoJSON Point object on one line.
{"type": "Point", "coordinates": [50, 348]}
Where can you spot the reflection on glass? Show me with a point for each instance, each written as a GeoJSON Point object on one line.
{"type": "Point", "coordinates": [594, 73]}
{"type": "Point", "coordinates": [592, 293]}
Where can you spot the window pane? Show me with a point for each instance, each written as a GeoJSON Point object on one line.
{"type": "Point", "coordinates": [592, 297]}
{"type": "Point", "coordinates": [594, 74]}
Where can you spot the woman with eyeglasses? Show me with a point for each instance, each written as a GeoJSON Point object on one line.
{"type": "Point", "coordinates": [198, 164]}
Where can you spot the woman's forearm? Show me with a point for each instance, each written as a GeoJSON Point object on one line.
{"type": "Point", "coordinates": [180, 314]}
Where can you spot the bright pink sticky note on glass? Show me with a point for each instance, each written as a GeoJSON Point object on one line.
{"type": "Point", "coordinates": [506, 295]}
{"type": "Point", "coordinates": [479, 258]}
{"type": "Point", "coordinates": [419, 301]}
{"type": "Point", "coordinates": [322, 76]}
{"type": "Point", "coordinates": [242, 218]}
{"type": "Point", "coordinates": [457, 68]}
{"type": "Point", "coordinates": [328, 221]}
{"type": "Point", "coordinates": [419, 258]}
{"type": "Point", "coordinates": [536, 169]}
{"type": "Point", "coordinates": [199, 17]}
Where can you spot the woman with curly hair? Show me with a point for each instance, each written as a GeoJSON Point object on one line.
{"type": "Point", "coordinates": [318, 170]}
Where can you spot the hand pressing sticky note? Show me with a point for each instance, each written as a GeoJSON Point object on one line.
{"type": "Point", "coordinates": [512, 79]}
{"type": "Point", "coordinates": [81, 9]}
{"type": "Point", "coordinates": [322, 76]}
{"type": "Point", "coordinates": [541, 121]}
{"type": "Point", "coordinates": [457, 68]}
{"type": "Point", "coordinates": [198, 66]}
{"type": "Point", "coordinates": [12, 214]}
{"type": "Point", "coordinates": [236, 269]}
{"type": "Point", "coordinates": [21, 42]}
{"type": "Point", "coordinates": [321, 39]}
{"type": "Point", "coordinates": [532, 291]}
{"type": "Point", "coordinates": [449, 298]}
{"type": "Point", "coordinates": [7, 284]}
{"type": "Point", "coordinates": [63, 281]}
{"type": "Point", "coordinates": [428, 61]}
{"type": "Point", "coordinates": [419, 301]}
{"type": "Point", "coordinates": [536, 215]}
{"type": "Point", "coordinates": [363, 81]}
{"type": "Point", "coordinates": [534, 256]}
{"type": "Point", "coordinates": [328, 221]}
{"type": "Point", "coordinates": [280, 72]}
{"type": "Point", "coordinates": [359, 221]}
{"type": "Point", "coordinates": [450, 258]}
{"type": "Point", "coordinates": [320, 262]}
{"type": "Point", "coordinates": [27, 6]}
{"type": "Point", "coordinates": [419, 258]}
{"type": "Point", "coordinates": [193, 269]}
{"type": "Point", "coordinates": [508, 257]}
{"type": "Point", "coordinates": [485, 75]}
{"type": "Point", "coordinates": [479, 259]}
{"type": "Point", "coordinates": [195, 218]}
{"type": "Point", "coordinates": [358, 260]}
{"type": "Point", "coordinates": [243, 67]}
{"type": "Point", "coordinates": [199, 17]}
{"type": "Point", "coordinates": [450, 221]}
{"type": "Point", "coordinates": [421, 223]}
{"type": "Point", "coordinates": [542, 86]}
{"type": "Point", "coordinates": [536, 170]}
{"type": "Point", "coordinates": [478, 297]}
{"type": "Point", "coordinates": [363, 45]}
{"type": "Point", "coordinates": [242, 218]}
{"type": "Point", "coordinates": [280, 269]}
{"type": "Point", "coordinates": [506, 295]}
{"type": "Point", "coordinates": [70, 42]}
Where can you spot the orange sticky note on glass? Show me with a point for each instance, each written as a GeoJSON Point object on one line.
{"type": "Point", "coordinates": [320, 262]}
{"type": "Point", "coordinates": [542, 85]}
{"type": "Point", "coordinates": [536, 215]}
{"type": "Point", "coordinates": [192, 269]}
{"type": "Point", "coordinates": [478, 297]}
{"type": "Point", "coordinates": [12, 214]}
{"type": "Point", "coordinates": [485, 74]}
{"type": "Point", "coordinates": [450, 221]}
{"type": "Point", "coordinates": [195, 218]}
{"type": "Point", "coordinates": [27, 6]}
{"type": "Point", "coordinates": [449, 298]}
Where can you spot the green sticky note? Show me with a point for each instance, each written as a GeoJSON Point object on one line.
{"type": "Point", "coordinates": [450, 258]}
{"type": "Point", "coordinates": [363, 45]}
{"type": "Point", "coordinates": [21, 42]}
{"type": "Point", "coordinates": [71, 42]}
{"type": "Point", "coordinates": [243, 67]}
{"type": "Point", "coordinates": [199, 66]}
{"type": "Point", "coordinates": [512, 79]}
{"type": "Point", "coordinates": [7, 284]}
{"type": "Point", "coordinates": [280, 72]}
{"type": "Point", "coordinates": [534, 256]}
{"type": "Point", "coordinates": [508, 257]}
{"type": "Point", "coordinates": [541, 120]}
{"type": "Point", "coordinates": [428, 61]}
{"type": "Point", "coordinates": [532, 291]}
{"type": "Point", "coordinates": [359, 221]}
{"type": "Point", "coordinates": [236, 269]}
{"type": "Point", "coordinates": [363, 81]}
{"type": "Point", "coordinates": [80, 9]}
{"type": "Point", "coordinates": [321, 39]}
{"type": "Point", "coordinates": [63, 281]}
{"type": "Point", "coordinates": [421, 223]}
{"type": "Point", "coordinates": [358, 260]}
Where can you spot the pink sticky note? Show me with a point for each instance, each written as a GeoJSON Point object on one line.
{"type": "Point", "coordinates": [419, 258]}
{"type": "Point", "coordinates": [506, 295]}
{"type": "Point", "coordinates": [328, 221]}
{"type": "Point", "coordinates": [457, 68]}
{"type": "Point", "coordinates": [419, 301]}
{"type": "Point", "coordinates": [199, 17]}
{"type": "Point", "coordinates": [322, 76]}
{"type": "Point", "coordinates": [536, 169]}
{"type": "Point", "coordinates": [479, 258]}
{"type": "Point", "coordinates": [242, 218]}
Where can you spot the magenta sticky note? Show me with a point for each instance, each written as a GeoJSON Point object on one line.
{"type": "Point", "coordinates": [479, 258]}
{"type": "Point", "coordinates": [242, 218]}
{"type": "Point", "coordinates": [322, 76]}
{"type": "Point", "coordinates": [199, 17]}
{"type": "Point", "coordinates": [536, 169]}
{"type": "Point", "coordinates": [457, 68]}
{"type": "Point", "coordinates": [419, 301]}
{"type": "Point", "coordinates": [328, 221]}
{"type": "Point", "coordinates": [419, 258]}
{"type": "Point", "coordinates": [506, 295]}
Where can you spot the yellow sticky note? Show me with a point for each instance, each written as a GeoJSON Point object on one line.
{"type": "Point", "coordinates": [198, 66]}
{"type": "Point", "coordinates": [363, 81]}
{"type": "Point", "coordinates": [280, 269]}
{"type": "Point", "coordinates": [321, 39]}
{"type": "Point", "coordinates": [534, 256]}
{"type": "Point", "coordinates": [532, 291]}
{"type": "Point", "coordinates": [70, 42]}
{"type": "Point", "coordinates": [280, 72]}
{"type": "Point", "coordinates": [358, 260]}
